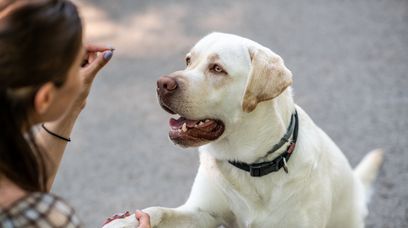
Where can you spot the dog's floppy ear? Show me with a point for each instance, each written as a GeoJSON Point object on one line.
{"type": "Point", "coordinates": [267, 78]}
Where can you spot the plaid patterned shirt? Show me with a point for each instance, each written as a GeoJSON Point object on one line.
{"type": "Point", "coordinates": [39, 210]}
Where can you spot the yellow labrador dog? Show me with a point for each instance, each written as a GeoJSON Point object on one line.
{"type": "Point", "coordinates": [263, 161]}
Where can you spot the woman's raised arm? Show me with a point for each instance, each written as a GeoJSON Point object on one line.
{"type": "Point", "coordinates": [96, 57]}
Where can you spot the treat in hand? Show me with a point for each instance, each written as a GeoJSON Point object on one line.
{"type": "Point", "coordinates": [123, 220]}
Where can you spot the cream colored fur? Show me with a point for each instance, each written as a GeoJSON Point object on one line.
{"type": "Point", "coordinates": [320, 190]}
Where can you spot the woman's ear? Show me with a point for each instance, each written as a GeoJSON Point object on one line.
{"type": "Point", "coordinates": [44, 98]}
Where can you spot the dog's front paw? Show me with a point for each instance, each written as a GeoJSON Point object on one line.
{"type": "Point", "coordinates": [156, 214]}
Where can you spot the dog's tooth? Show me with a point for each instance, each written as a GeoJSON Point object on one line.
{"type": "Point", "coordinates": [179, 130]}
{"type": "Point", "coordinates": [196, 125]}
{"type": "Point", "coordinates": [207, 120]}
{"type": "Point", "coordinates": [201, 123]}
{"type": "Point", "coordinates": [184, 127]}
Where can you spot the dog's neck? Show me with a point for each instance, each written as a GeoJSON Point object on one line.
{"type": "Point", "coordinates": [257, 132]}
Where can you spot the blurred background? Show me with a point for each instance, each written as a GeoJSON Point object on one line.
{"type": "Point", "coordinates": [350, 66]}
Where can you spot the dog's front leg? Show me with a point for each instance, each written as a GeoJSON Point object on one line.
{"type": "Point", "coordinates": [161, 217]}
{"type": "Point", "coordinates": [206, 206]}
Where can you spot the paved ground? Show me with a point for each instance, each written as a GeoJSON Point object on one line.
{"type": "Point", "coordinates": [349, 60]}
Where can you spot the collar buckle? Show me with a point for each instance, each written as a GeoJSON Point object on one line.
{"type": "Point", "coordinates": [261, 169]}
{"type": "Point", "coordinates": [255, 171]}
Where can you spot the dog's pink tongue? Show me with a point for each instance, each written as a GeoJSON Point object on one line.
{"type": "Point", "coordinates": [176, 124]}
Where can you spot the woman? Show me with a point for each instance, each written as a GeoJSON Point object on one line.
{"type": "Point", "coordinates": [45, 77]}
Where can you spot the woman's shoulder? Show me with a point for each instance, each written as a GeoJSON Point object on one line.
{"type": "Point", "coordinates": [39, 210]}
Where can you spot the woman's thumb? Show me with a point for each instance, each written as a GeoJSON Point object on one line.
{"type": "Point", "coordinates": [100, 61]}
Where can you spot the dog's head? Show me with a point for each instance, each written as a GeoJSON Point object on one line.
{"type": "Point", "coordinates": [226, 77]}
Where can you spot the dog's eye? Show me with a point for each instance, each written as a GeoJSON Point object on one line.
{"type": "Point", "coordinates": [188, 59]}
{"type": "Point", "coordinates": [217, 69]}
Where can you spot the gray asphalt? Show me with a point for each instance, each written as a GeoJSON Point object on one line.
{"type": "Point", "coordinates": [350, 65]}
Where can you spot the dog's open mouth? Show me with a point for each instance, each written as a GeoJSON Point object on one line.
{"type": "Point", "coordinates": [186, 132]}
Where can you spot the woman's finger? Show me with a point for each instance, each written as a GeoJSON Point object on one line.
{"type": "Point", "coordinates": [92, 56]}
{"type": "Point", "coordinates": [89, 57]}
{"type": "Point", "coordinates": [93, 67]}
{"type": "Point", "coordinates": [96, 48]}
{"type": "Point", "coordinates": [144, 219]}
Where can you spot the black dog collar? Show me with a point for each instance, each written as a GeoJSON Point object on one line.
{"type": "Point", "coordinates": [264, 168]}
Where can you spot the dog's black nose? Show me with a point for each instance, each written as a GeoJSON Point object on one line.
{"type": "Point", "coordinates": [166, 85]}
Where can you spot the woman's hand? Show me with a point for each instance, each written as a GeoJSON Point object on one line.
{"type": "Point", "coordinates": [128, 220]}
{"type": "Point", "coordinates": [144, 219]}
{"type": "Point", "coordinates": [95, 58]}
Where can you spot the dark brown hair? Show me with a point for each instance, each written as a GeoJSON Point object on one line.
{"type": "Point", "coordinates": [39, 41]}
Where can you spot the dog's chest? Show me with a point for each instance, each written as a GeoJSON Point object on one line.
{"type": "Point", "coordinates": [256, 201]}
